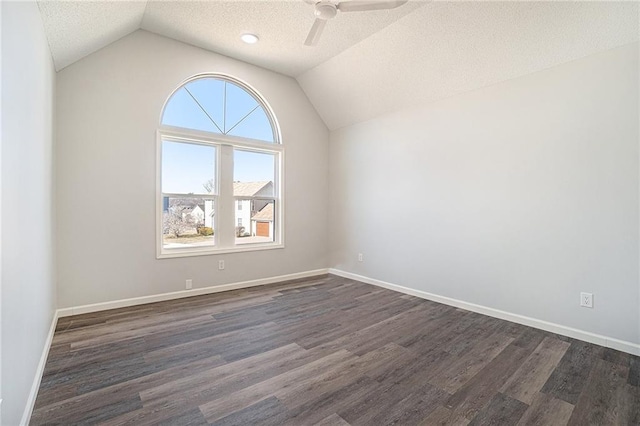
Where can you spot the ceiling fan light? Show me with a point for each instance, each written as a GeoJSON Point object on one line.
{"type": "Point", "coordinates": [249, 38]}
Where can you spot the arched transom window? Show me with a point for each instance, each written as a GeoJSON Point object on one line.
{"type": "Point", "coordinates": [219, 170]}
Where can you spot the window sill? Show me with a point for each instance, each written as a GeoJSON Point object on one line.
{"type": "Point", "coordinates": [190, 252]}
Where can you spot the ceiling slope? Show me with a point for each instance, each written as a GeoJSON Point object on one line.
{"type": "Point", "coordinates": [76, 29]}
{"type": "Point", "coordinates": [445, 48]}
{"type": "Point", "coordinates": [281, 25]}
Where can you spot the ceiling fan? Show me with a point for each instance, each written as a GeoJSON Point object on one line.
{"type": "Point", "coordinates": [327, 9]}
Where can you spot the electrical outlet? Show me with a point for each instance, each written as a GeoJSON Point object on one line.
{"type": "Point", "coordinates": [188, 284]}
{"type": "Point", "coordinates": [586, 300]}
{"type": "Point", "coordinates": [360, 257]}
{"type": "Point", "coordinates": [220, 265]}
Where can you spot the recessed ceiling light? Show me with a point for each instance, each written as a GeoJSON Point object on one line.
{"type": "Point", "coordinates": [249, 38]}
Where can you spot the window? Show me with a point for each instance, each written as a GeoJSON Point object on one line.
{"type": "Point", "coordinates": [218, 148]}
{"type": "Point", "coordinates": [253, 177]}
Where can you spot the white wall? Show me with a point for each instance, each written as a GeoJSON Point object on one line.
{"type": "Point", "coordinates": [527, 193]}
{"type": "Point", "coordinates": [108, 109]}
{"type": "Point", "coordinates": [28, 287]}
{"type": "Point", "coordinates": [1, 215]}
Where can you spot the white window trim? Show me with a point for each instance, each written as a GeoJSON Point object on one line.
{"type": "Point", "coordinates": [220, 140]}
{"type": "Point", "coordinates": [224, 199]}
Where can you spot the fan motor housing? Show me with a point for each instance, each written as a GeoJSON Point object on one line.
{"type": "Point", "coordinates": [325, 10]}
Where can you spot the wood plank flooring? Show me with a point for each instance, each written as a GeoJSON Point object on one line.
{"type": "Point", "coordinates": [326, 351]}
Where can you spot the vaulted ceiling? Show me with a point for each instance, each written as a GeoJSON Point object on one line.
{"type": "Point", "coordinates": [78, 28]}
{"type": "Point", "coordinates": [446, 48]}
{"type": "Point", "coordinates": [366, 64]}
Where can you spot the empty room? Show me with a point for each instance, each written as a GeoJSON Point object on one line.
{"type": "Point", "coordinates": [319, 212]}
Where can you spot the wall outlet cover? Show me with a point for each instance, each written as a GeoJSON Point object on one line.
{"type": "Point", "coordinates": [586, 300]}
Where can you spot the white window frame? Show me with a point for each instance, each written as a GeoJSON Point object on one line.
{"type": "Point", "coordinates": [224, 224]}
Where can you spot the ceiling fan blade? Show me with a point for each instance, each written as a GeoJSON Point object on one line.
{"type": "Point", "coordinates": [362, 6]}
{"type": "Point", "coordinates": [316, 31]}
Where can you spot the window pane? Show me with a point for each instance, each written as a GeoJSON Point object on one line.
{"type": "Point", "coordinates": [209, 94]}
{"type": "Point", "coordinates": [187, 222]}
{"type": "Point", "coordinates": [258, 221]}
{"type": "Point", "coordinates": [239, 104]}
{"type": "Point", "coordinates": [183, 111]}
{"type": "Point", "coordinates": [188, 168]}
{"type": "Point", "coordinates": [253, 174]}
{"type": "Point", "coordinates": [255, 126]}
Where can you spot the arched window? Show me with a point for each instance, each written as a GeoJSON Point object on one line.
{"type": "Point", "coordinates": [219, 170]}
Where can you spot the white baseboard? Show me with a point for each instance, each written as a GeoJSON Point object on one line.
{"type": "Point", "coordinates": [33, 394]}
{"type": "Point", "coordinates": [84, 309]}
{"type": "Point", "coordinates": [586, 336]}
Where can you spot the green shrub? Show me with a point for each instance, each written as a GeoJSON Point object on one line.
{"type": "Point", "coordinates": [205, 230]}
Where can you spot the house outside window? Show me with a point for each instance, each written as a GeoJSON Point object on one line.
{"type": "Point", "coordinates": [218, 148]}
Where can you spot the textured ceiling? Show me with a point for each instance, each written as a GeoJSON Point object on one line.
{"type": "Point", "coordinates": [281, 25]}
{"type": "Point", "coordinates": [366, 64]}
{"type": "Point", "coordinates": [78, 28]}
{"type": "Point", "coordinates": [446, 48]}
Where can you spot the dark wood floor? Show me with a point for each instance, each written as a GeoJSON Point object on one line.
{"type": "Point", "coordinates": [326, 351]}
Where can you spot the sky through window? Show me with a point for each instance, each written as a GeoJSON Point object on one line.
{"type": "Point", "coordinates": [216, 106]}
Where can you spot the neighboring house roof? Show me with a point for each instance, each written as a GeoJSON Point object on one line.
{"type": "Point", "coordinates": [266, 214]}
{"type": "Point", "coordinates": [195, 209]}
{"type": "Point", "coordinates": [249, 189]}
{"type": "Point", "coordinates": [186, 203]}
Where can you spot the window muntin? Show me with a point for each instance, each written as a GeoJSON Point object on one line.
{"type": "Point", "coordinates": [204, 156]}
